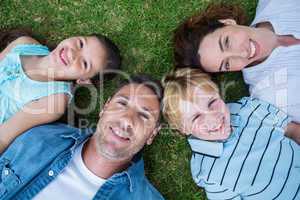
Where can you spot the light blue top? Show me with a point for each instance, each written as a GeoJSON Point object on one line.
{"type": "Point", "coordinates": [256, 162]}
{"type": "Point", "coordinates": [39, 155]}
{"type": "Point", "coordinates": [276, 80]}
{"type": "Point", "coordinates": [17, 89]}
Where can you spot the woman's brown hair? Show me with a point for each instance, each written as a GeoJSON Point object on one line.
{"type": "Point", "coordinates": [190, 33]}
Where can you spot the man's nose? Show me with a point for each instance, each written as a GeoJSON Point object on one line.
{"type": "Point", "coordinates": [127, 120]}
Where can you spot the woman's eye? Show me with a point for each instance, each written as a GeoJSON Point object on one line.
{"type": "Point", "coordinates": [80, 44]}
{"type": "Point", "coordinates": [227, 42]}
{"type": "Point", "coordinates": [227, 67]}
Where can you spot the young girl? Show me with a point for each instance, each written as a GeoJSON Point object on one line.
{"type": "Point", "coordinates": [248, 155]}
{"type": "Point", "coordinates": [35, 83]}
{"type": "Point", "coordinates": [267, 51]}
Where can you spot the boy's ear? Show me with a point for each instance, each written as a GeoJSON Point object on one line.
{"type": "Point", "coordinates": [153, 135]}
{"type": "Point", "coordinates": [228, 21]}
{"type": "Point", "coordinates": [83, 81]}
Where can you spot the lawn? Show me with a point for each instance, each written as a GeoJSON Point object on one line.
{"type": "Point", "coordinates": [143, 31]}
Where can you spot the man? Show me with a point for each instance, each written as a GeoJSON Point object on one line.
{"type": "Point", "coordinates": [60, 162]}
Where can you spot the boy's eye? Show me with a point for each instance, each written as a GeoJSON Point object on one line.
{"type": "Point", "coordinates": [196, 117]}
{"type": "Point", "coordinates": [211, 102]}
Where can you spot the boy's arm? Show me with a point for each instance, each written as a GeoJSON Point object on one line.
{"type": "Point", "coordinates": [292, 130]}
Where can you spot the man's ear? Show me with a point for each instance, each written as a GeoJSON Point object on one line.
{"type": "Point", "coordinates": [83, 81]}
{"type": "Point", "coordinates": [104, 107]}
{"type": "Point", "coordinates": [228, 21]}
{"type": "Point", "coordinates": [153, 134]}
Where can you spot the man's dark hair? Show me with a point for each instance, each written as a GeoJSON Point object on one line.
{"type": "Point", "coordinates": [153, 84]}
{"type": "Point", "coordinates": [145, 80]}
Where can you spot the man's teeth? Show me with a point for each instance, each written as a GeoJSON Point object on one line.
{"type": "Point", "coordinates": [121, 134]}
{"type": "Point", "coordinates": [253, 49]}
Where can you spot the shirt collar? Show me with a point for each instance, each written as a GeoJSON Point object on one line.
{"type": "Point", "coordinates": [79, 135]}
{"type": "Point", "coordinates": [132, 175]}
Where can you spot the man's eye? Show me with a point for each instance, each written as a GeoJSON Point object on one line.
{"type": "Point", "coordinates": [144, 116]}
{"type": "Point", "coordinates": [122, 103]}
{"type": "Point", "coordinates": [80, 44]}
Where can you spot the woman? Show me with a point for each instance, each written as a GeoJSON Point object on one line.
{"type": "Point", "coordinates": [240, 150]}
{"type": "Point", "coordinates": [267, 51]}
{"type": "Point", "coordinates": [35, 83]}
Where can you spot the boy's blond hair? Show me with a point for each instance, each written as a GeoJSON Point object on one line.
{"type": "Point", "coordinates": [177, 86]}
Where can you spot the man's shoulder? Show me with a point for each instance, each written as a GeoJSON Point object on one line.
{"type": "Point", "coordinates": [148, 191]}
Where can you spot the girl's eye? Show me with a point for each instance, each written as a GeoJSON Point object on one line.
{"type": "Point", "coordinates": [85, 65]}
{"type": "Point", "coordinates": [80, 44]}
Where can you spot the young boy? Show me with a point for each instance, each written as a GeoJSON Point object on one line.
{"type": "Point", "coordinates": [248, 155]}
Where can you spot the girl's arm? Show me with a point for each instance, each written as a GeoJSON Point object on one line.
{"type": "Point", "coordinates": [20, 40]}
{"type": "Point", "coordinates": [292, 131]}
{"type": "Point", "coordinates": [44, 110]}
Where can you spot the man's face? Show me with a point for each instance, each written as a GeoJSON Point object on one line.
{"type": "Point", "coordinates": [127, 122]}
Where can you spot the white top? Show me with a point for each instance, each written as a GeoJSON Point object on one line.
{"type": "Point", "coordinates": [75, 182]}
{"type": "Point", "coordinates": [277, 79]}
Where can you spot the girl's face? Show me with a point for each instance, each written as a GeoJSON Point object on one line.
{"type": "Point", "coordinates": [205, 115]}
{"type": "Point", "coordinates": [233, 47]}
{"type": "Point", "coordinates": [78, 58]}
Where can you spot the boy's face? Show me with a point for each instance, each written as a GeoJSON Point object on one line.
{"type": "Point", "coordinates": [204, 115]}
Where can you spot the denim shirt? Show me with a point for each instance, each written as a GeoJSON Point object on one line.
{"type": "Point", "coordinates": [36, 157]}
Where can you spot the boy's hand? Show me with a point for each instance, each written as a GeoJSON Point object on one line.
{"type": "Point", "coordinates": [292, 131]}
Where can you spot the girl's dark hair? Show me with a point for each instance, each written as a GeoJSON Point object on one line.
{"type": "Point", "coordinates": [113, 63]}
{"type": "Point", "coordinates": [188, 36]}
{"type": "Point", "coordinates": [9, 35]}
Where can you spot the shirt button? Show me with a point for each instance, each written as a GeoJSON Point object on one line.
{"type": "Point", "coordinates": [6, 172]}
{"type": "Point", "coordinates": [51, 173]}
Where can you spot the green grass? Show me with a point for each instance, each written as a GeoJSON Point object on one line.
{"type": "Point", "coordinates": [143, 31]}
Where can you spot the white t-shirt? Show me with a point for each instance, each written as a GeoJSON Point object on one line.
{"type": "Point", "coordinates": [76, 181]}
{"type": "Point", "coordinates": [276, 80]}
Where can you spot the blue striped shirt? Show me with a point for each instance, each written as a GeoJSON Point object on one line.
{"type": "Point", "coordinates": [256, 162]}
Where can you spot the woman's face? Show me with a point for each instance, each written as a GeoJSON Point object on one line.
{"type": "Point", "coordinates": [233, 47]}
{"type": "Point", "coordinates": [78, 58]}
{"type": "Point", "coordinates": [205, 115]}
